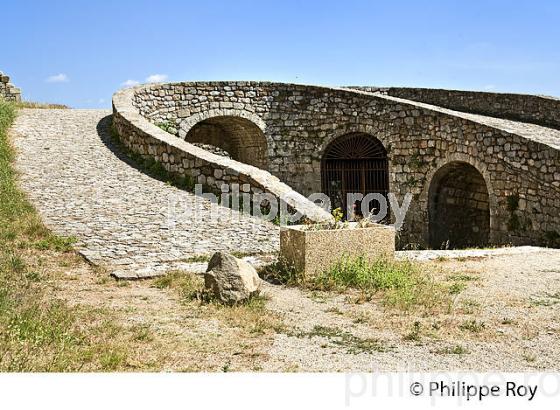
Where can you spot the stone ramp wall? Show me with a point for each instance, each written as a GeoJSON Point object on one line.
{"type": "Point", "coordinates": [536, 109]}
{"type": "Point", "coordinates": [184, 159]}
{"type": "Point", "coordinates": [8, 91]}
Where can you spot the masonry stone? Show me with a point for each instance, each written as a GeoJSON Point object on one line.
{"type": "Point", "coordinates": [8, 91]}
{"type": "Point", "coordinates": [231, 280]}
{"type": "Point", "coordinates": [283, 130]}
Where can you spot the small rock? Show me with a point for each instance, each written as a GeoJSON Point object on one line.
{"type": "Point", "coordinates": [231, 280]}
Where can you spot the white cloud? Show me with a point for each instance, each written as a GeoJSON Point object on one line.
{"type": "Point", "coordinates": [130, 83]}
{"type": "Point", "coordinates": [489, 87]}
{"type": "Point", "coordinates": [156, 78]}
{"type": "Point", "coordinates": [58, 78]}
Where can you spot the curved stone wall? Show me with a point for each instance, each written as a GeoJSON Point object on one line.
{"type": "Point", "coordinates": [206, 168]}
{"type": "Point", "coordinates": [298, 122]}
{"type": "Point", "coordinates": [537, 109]}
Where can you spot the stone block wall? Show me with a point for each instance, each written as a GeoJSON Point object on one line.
{"type": "Point", "coordinates": [299, 121]}
{"type": "Point", "coordinates": [537, 109]}
{"type": "Point", "coordinates": [311, 252]}
{"type": "Point", "coordinates": [8, 91]}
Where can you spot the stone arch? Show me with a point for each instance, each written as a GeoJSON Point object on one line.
{"type": "Point", "coordinates": [355, 162]}
{"type": "Point", "coordinates": [239, 133]}
{"type": "Point", "coordinates": [459, 203]}
{"type": "Point", "coordinates": [354, 128]}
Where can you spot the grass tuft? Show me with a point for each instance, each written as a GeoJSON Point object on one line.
{"type": "Point", "coordinates": [457, 349]}
{"type": "Point", "coordinates": [187, 285]}
{"type": "Point", "coordinates": [414, 335]}
{"type": "Point", "coordinates": [403, 285]}
{"type": "Point", "coordinates": [39, 105]}
{"type": "Point", "coordinates": [252, 316]}
{"type": "Point", "coordinates": [472, 326]}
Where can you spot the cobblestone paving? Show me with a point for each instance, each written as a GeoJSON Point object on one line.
{"type": "Point", "coordinates": [83, 187]}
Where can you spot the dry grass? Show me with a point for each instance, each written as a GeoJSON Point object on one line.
{"type": "Point", "coordinates": [402, 285]}
{"type": "Point", "coordinates": [59, 314]}
{"type": "Point", "coordinates": [349, 342]}
{"type": "Point", "coordinates": [38, 333]}
{"type": "Point", "coordinates": [252, 317]}
{"type": "Point", "coordinates": [39, 105]}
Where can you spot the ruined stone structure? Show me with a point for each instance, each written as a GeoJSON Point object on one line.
{"type": "Point", "coordinates": [8, 91]}
{"type": "Point", "coordinates": [482, 168]}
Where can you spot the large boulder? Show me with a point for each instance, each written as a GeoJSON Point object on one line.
{"type": "Point", "coordinates": [231, 280]}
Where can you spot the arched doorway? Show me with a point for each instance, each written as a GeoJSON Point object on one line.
{"type": "Point", "coordinates": [354, 163]}
{"type": "Point", "coordinates": [458, 208]}
{"type": "Point", "coordinates": [240, 138]}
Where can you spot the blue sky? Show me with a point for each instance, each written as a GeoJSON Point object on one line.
{"type": "Point", "coordinates": [80, 52]}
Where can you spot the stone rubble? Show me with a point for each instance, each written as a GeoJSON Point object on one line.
{"type": "Point", "coordinates": [231, 280]}
{"type": "Point", "coordinates": [8, 91]}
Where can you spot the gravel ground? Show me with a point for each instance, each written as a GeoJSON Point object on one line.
{"type": "Point", "coordinates": [516, 296]}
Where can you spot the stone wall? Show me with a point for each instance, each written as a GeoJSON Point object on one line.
{"type": "Point", "coordinates": [204, 167]}
{"type": "Point", "coordinates": [299, 121]}
{"type": "Point", "coordinates": [542, 110]}
{"type": "Point", "coordinates": [8, 91]}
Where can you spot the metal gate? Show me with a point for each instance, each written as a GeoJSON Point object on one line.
{"type": "Point", "coordinates": [354, 163]}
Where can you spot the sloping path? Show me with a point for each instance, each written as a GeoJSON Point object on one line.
{"type": "Point", "coordinates": [123, 219]}
{"type": "Point", "coordinates": [533, 132]}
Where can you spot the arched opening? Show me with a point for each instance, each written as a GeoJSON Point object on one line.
{"type": "Point", "coordinates": [236, 137]}
{"type": "Point", "coordinates": [459, 207]}
{"type": "Point", "coordinates": [354, 163]}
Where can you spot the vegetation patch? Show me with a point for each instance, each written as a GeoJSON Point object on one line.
{"type": "Point", "coordinates": [414, 335]}
{"type": "Point", "coordinates": [462, 278]}
{"type": "Point", "coordinates": [472, 326]}
{"type": "Point", "coordinates": [529, 357]}
{"type": "Point", "coordinates": [166, 126]}
{"type": "Point", "coordinates": [549, 299]}
{"type": "Point", "coordinates": [403, 285]}
{"type": "Point", "coordinates": [198, 259]}
{"type": "Point", "coordinates": [252, 316]}
{"type": "Point", "coordinates": [352, 343]}
{"type": "Point", "coordinates": [457, 287]}
{"type": "Point", "coordinates": [38, 105]}
{"type": "Point", "coordinates": [39, 333]}
{"type": "Point", "coordinates": [470, 306]}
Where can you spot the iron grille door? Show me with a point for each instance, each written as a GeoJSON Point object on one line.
{"type": "Point", "coordinates": [354, 163]}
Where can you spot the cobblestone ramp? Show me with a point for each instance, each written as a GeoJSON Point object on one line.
{"type": "Point", "coordinates": [84, 187]}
